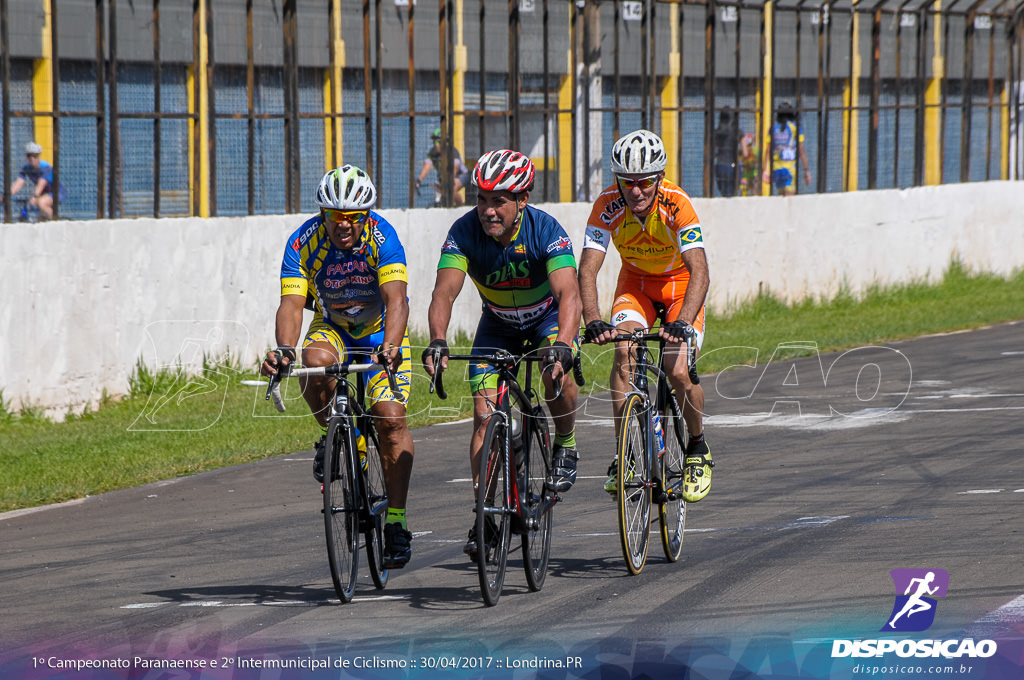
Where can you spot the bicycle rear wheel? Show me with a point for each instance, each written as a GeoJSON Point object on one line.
{"type": "Point", "coordinates": [492, 511]}
{"type": "Point", "coordinates": [536, 500]}
{"type": "Point", "coordinates": [341, 511]}
{"type": "Point", "coordinates": [376, 506]}
{"type": "Point", "coordinates": [634, 489]}
{"type": "Point", "coordinates": [672, 511]}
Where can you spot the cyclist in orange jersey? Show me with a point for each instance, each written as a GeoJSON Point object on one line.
{"type": "Point", "coordinates": [660, 241]}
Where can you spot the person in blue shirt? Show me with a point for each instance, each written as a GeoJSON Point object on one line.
{"type": "Point", "coordinates": [522, 263]}
{"type": "Point", "coordinates": [350, 265]}
{"type": "Point", "coordinates": [39, 174]}
{"type": "Point", "coordinates": [785, 145]}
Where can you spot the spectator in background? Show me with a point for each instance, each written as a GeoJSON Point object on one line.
{"type": "Point", "coordinates": [748, 165]}
{"type": "Point", "coordinates": [727, 143]}
{"type": "Point", "coordinates": [434, 159]}
{"type": "Point", "coordinates": [39, 175]}
{"type": "Point", "coordinates": [787, 141]}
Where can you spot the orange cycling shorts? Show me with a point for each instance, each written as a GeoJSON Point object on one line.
{"type": "Point", "coordinates": [637, 298]}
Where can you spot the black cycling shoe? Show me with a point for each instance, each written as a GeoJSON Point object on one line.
{"type": "Point", "coordinates": [491, 532]}
{"type": "Point", "coordinates": [563, 469]}
{"type": "Point", "coordinates": [318, 459]}
{"type": "Point", "coordinates": [397, 546]}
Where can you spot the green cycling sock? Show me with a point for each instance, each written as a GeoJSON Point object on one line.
{"type": "Point", "coordinates": [566, 441]}
{"type": "Point", "coordinates": [396, 516]}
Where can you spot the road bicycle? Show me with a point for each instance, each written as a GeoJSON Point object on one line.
{"type": "Point", "coordinates": [651, 454]}
{"type": "Point", "coordinates": [28, 213]}
{"type": "Point", "coordinates": [515, 460]}
{"type": "Point", "coordinates": [354, 496]}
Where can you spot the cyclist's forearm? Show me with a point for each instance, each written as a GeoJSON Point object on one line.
{"type": "Point", "coordinates": [396, 319]}
{"type": "Point", "coordinates": [288, 323]}
{"type": "Point", "coordinates": [439, 315]}
{"type": "Point", "coordinates": [588, 286]}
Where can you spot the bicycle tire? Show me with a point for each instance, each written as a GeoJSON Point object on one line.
{"type": "Point", "coordinates": [633, 479]}
{"type": "Point", "coordinates": [341, 511]}
{"type": "Point", "coordinates": [376, 506]}
{"type": "Point", "coordinates": [672, 510]}
{"type": "Point", "coordinates": [492, 501]}
{"type": "Point", "coordinates": [536, 500]}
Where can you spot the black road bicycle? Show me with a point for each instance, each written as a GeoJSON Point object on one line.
{"type": "Point", "coordinates": [354, 496]}
{"type": "Point", "coordinates": [515, 460]}
{"type": "Point", "coordinates": [650, 463]}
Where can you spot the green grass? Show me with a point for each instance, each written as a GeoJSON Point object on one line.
{"type": "Point", "coordinates": [146, 437]}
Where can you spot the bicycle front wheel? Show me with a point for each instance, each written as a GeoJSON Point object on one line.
{"type": "Point", "coordinates": [537, 500]}
{"type": "Point", "coordinates": [376, 508]}
{"type": "Point", "coordinates": [341, 511]}
{"type": "Point", "coordinates": [672, 509]}
{"type": "Point", "coordinates": [492, 511]}
{"type": "Point", "coordinates": [634, 488]}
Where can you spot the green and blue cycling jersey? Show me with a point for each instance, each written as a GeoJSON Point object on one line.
{"type": "Point", "coordinates": [519, 310]}
{"type": "Point", "coordinates": [513, 280]}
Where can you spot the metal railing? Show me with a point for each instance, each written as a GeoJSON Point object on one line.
{"type": "Point", "coordinates": [241, 106]}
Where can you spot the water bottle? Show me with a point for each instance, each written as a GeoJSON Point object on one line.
{"type": "Point", "coordinates": [517, 441]}
{"type": "Point", "coordinates": [659, 434]}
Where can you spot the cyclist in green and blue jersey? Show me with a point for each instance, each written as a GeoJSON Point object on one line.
{"type": "Point", "coordinates": [522, 263]}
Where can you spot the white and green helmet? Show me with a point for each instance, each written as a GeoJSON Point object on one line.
{"type": "Point", "coordinates": [346, 188]}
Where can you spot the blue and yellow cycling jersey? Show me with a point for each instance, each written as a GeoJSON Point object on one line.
{"type": "Point", "coordinates": [513, 280]}
{"type": "Point", "coordinates": [345, 284]}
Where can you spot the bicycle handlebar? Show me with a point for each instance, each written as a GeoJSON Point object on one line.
{"type": "Point", "coordinates": [335, 370]}
{"type": "Point", "coordinates": [644, 335]}
{"type": "Point", "coordinates": [500, 359]}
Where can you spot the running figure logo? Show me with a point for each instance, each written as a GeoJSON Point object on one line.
{"type": "Point", "coordinates": [914, 610]}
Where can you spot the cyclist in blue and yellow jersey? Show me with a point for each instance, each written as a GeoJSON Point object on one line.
{"type": "Point", "coordinates": [522, 263]}
{"type": "Point", "coordinates": [786, 144]}
{"type": "Point", "coordinates": [349, 262]}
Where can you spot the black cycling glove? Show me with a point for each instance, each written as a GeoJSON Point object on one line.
{"type": "Point", "coordinates": [596, 328]}
{"type": "Point", "coordinates": [679, 330]}
{"type": "Point", "coordinates": [557, 352]}
{"type": "Point", "coordinates": [285, 352]}
{"type": "Point", "coordinates": [436, 349]}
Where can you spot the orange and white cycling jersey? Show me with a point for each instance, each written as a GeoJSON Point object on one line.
{"type": "Point", "coordinates": [654, 247]}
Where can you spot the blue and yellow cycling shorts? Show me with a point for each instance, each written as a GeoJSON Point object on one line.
{"type": "Point", "coordinates": [492, 334]}
{"type": "Point", "coordinates": [349, 349]}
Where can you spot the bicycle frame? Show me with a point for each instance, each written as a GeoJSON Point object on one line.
{"type": "Point", "coordinates": [643, 363]}
{"type": "Point", "coordinates": [511, 390]}
{"type": "Point", "coordinates": [359, 503]}
{"type": "Point", "coordinates": [526, 503]}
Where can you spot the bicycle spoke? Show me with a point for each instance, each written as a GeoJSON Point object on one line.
{"type": "Point", "coordinates": [341, 512]}
{"type": "Point", "coordinates": [634, 490]}
{"type": "Point", "coordinates": [537, 501]}
{"type": "Point", "coordinates": [376, 507]}
{"type": "Point", "coordinates": [492, 512]}
{"type": "Point", "coordinates": [672, 511]}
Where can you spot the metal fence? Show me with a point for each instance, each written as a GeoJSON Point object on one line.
{"type": "Point", "coordinates": [233, 107]}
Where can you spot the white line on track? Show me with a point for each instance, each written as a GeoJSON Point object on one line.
{"type": "Point", "coordinates": [265, 603]}
{"type": "Point", "coordinates": [1005, 619]}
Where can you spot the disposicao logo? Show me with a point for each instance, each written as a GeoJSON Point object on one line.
{"type": "Point", "coordinates": [914, 611]}
{"type": "Point", "coordinates": [916, 590]}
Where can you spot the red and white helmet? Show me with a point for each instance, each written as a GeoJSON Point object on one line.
{"type": "Point", "coordinates": [503, 170]}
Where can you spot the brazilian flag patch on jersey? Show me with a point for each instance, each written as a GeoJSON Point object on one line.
{"type": "Point", "coordinates": [689, 237]}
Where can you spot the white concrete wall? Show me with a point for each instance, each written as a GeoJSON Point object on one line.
{"type": "Point", "coordinates": [83, 301]}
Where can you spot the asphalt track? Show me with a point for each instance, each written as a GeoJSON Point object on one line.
{"type": "Point", "coordinates": [831, 471]}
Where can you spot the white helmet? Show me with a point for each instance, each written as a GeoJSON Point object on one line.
{"type": "Point", "coordinates": [33, 149]}
{"type": "Point", "coordinates": [346, 188]}
{"type": "Point", "coordinates": [639, 152]}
